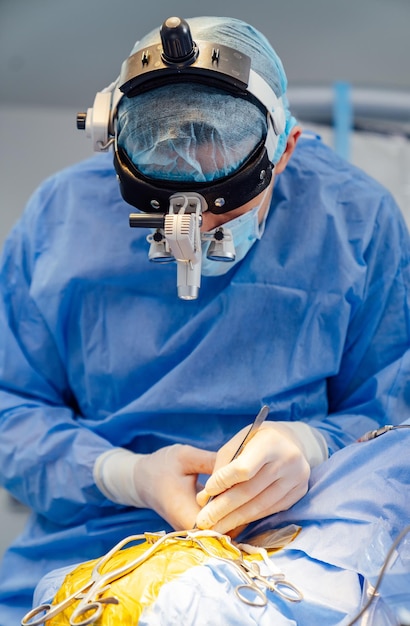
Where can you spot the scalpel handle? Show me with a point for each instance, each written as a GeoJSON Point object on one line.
{"type": "Point", "coordinates": [258, 421]}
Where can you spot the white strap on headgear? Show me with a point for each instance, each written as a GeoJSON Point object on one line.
{"type": "Point", "coordinates": [100, 120]}
{"type": "Point", "coordinates": [259, 88]}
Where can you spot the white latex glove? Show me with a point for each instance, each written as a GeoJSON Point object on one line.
{"type": "Point", "coordinates": [165, 481]}
{"type": "Point", "coordinates": [269, 476]}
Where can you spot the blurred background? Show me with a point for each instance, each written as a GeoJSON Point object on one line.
{"type": "Point", "coordinates": [347, 64]}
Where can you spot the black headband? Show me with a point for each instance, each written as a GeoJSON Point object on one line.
{"type": "Point", "coordinates": [225, 194]}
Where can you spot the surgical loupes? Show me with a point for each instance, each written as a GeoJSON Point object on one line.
{"type": "Point", "coordinates": [178, 236]}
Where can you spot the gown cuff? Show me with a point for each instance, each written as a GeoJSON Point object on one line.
{"type": "Point", "coordinates": [114, 475]}
{"type": "Point", "coordinates": [312, 443]}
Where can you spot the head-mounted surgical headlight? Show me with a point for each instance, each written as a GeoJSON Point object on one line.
{"type": "Point", "coordinates": [179, 58]}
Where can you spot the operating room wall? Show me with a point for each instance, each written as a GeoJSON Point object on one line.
{"type": "Point", "coordinates": [36, 142]}
{"type": "Point", "coordinates": [386, 157]}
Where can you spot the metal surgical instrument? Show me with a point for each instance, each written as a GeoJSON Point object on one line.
{"type": "Point", "coordinates": [257, 422]}
{"type": "Point", "coordinates": [273, 582]}
{"type": "Point", "coordinates": [250, 592]}
{"type": "Point", "coordinates": [89, 595]}
{"type": "Point", "coordinates": [373, 434]}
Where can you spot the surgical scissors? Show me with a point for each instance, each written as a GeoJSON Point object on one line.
{"type": "Point", "coordinates": [89, 595]}
{"type": "Point", "coordinates": [249, 591]}
{"type": "Point", "coordinates": [273, 582]}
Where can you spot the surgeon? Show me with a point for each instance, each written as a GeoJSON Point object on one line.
{"type": "Point", "coordinates": [125, 389]}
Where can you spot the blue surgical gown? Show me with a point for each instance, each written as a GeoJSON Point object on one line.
{"type": "Point", "coordinates": [96, 350]}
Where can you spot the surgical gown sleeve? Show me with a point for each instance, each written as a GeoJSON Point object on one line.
{"type": "Point", "coordinates": [372, 385]}
{"type": "Point", "coordinates": [46, 459]}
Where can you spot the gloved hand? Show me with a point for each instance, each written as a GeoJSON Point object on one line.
{"type": "Point", "coordinates": [269, 476]}
{"type": "Point", "coordinates": [165, 481]}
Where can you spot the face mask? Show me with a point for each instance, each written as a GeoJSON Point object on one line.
{"type": "Point", "coordinates": [245, 230]}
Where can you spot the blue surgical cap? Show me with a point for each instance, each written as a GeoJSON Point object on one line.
{"type": "Point", "coordinates": [192, 132]}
